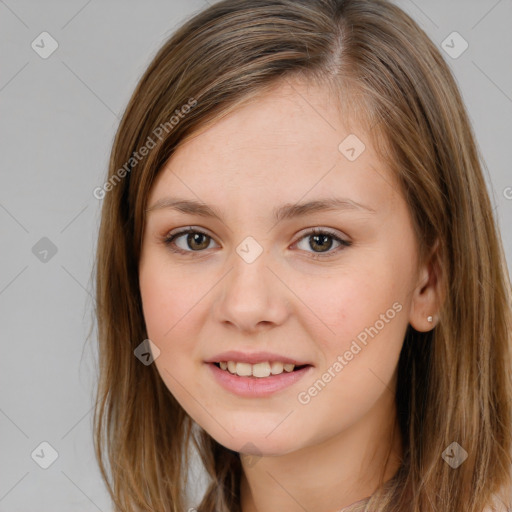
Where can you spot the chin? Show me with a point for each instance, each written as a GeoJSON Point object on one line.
{"type": "Point", "coordinates": [255, 442]}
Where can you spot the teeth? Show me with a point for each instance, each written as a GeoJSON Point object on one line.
{"type": "Point", "coordinates": [276, 368]}
{"type": "Point", "coordinates": [258, 370]}
{"type": "Point", "coordinates": [261, 369]}
{"type": "Point", "coordinates": [244, 369]}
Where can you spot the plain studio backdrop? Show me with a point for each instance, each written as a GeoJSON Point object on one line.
{"type": "Point", "coordinates": [67, 70]}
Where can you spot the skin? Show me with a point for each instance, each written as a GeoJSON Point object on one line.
{"type": "Point", "coordinates": [283, 148]}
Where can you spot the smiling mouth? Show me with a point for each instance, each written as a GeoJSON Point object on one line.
{"type": "Point", "coordinates": [258, 370]}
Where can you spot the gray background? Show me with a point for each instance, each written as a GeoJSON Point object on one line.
{"type": "Point", "coordinates": [57, 122]}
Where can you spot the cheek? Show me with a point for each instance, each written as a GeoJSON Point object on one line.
{"type": "Point", "coordinates": [166, 299]}
{"type": "Point", "coordinates": [353, 301]}
{"type": "Point", "coordinates": [168, 307]}
{"type": "Point", "coordinates": [175, 308]}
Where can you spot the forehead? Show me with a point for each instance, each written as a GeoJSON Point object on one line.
{"type": "Point", "coordinates": [289, 140]}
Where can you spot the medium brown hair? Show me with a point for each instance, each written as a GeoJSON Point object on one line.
{"type": "Point", "coordinates": [454, 382]}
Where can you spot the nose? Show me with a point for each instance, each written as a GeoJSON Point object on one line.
{"type": "Point", "coordinates": [251, 298]}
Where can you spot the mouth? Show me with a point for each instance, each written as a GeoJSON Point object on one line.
{"type": "Point", "coordinates": [256, 380]}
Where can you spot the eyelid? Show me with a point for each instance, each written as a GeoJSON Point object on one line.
{"type": "Point", "coordinates": [187, 229]}
{"type": "Point", "coordinates": [320, 231]}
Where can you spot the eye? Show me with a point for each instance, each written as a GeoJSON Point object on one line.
{"type": "Point", "coordinates": [321, 241]}
{"type": "Point", "coordinates": [194, 241]}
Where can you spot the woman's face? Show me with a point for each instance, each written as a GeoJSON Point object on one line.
{"type": "Point", "coordinates": [258, 283]}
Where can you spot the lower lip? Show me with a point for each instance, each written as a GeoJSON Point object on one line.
{"type": "Point", "coordinates": [254, 386]}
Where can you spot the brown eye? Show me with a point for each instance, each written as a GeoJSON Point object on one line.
{"type": "Point", "coordinates": [321, 241]}
{"type": "Point", "coordinates": [188, 240]}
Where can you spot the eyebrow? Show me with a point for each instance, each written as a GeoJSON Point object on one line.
{"type": "Point", "coordinates": [285, 212]}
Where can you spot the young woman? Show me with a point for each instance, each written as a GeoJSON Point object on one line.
{"type": "Point", "coordinates": [299, 273]}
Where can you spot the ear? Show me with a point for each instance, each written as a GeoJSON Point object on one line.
{"type": "Point", "coordinates": [426, 296]}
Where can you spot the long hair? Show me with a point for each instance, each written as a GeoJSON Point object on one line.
{"type": "Point", "coordinates": [454, 382]}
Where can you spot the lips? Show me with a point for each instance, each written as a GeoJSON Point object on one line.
{"type": "Point", "coordinates": [256, 374]}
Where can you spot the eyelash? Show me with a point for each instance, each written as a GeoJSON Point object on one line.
{"type": "Point", "coordinates": [169, 241]}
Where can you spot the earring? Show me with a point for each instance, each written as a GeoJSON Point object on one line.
{"type": "Point", "coordinates": [430, 319]}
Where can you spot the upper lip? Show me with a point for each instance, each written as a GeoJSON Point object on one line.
{"type": "Point", "coordinates": [253, 358]}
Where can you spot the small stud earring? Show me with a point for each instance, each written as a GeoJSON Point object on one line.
{"type": "Point", "coordinates": [430, 319]}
